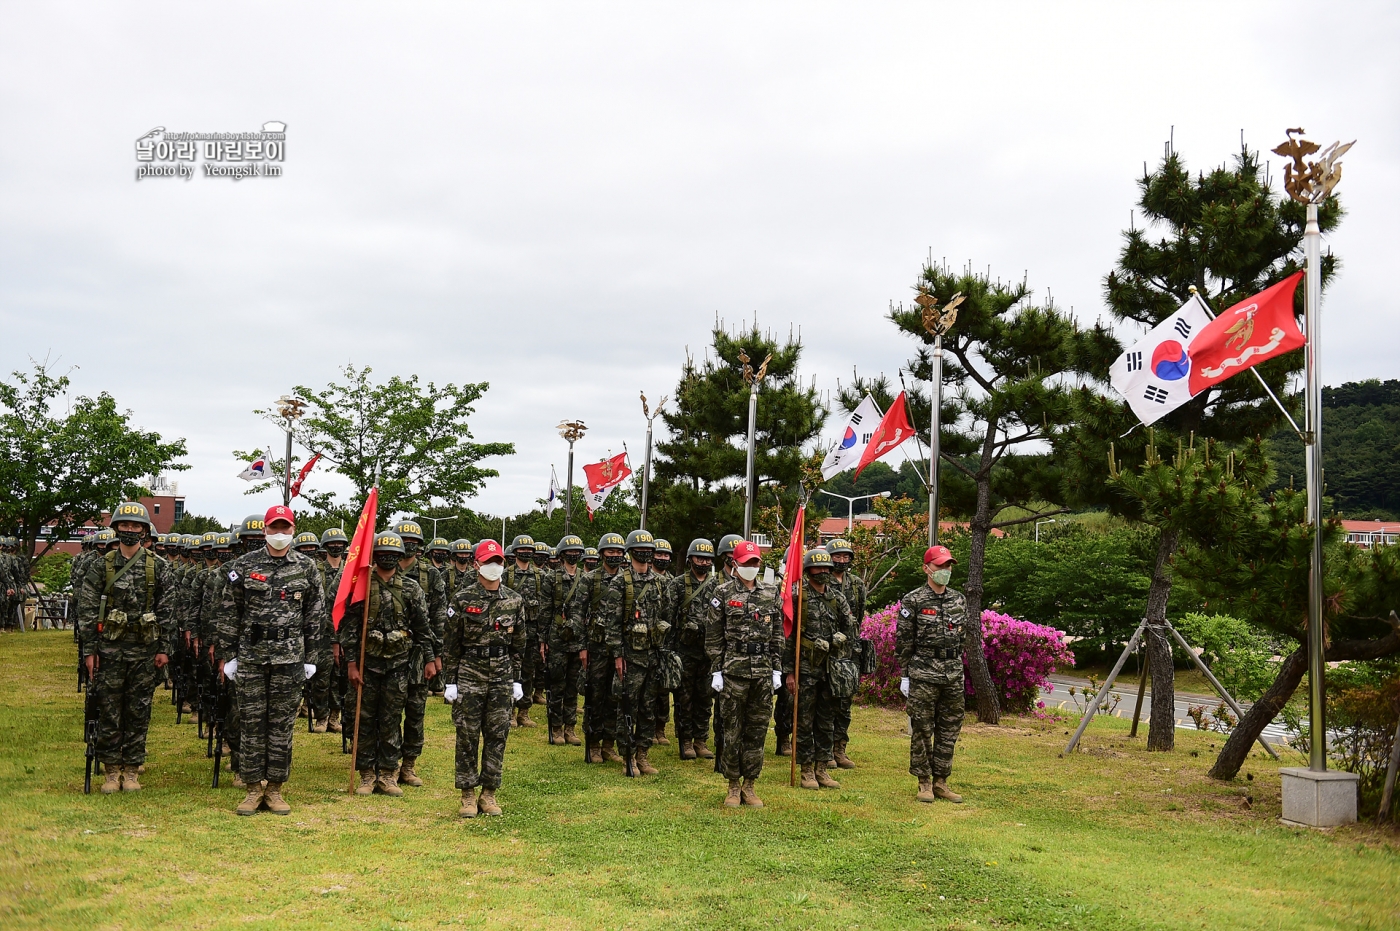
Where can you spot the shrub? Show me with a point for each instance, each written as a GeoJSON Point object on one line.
{"type": "Point", "coordinates": [1238, 654]}
{"type": "Point", "coordinates": [882, 686]}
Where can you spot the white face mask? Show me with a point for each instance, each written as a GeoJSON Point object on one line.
{"type": "Point", "coordinates": [941, 576]}
{"type": "Point", "coordinates": [747, 573]}
{"type": "Point", "coordinates": [491, 572]}
{"type": "Point", "coordinates": [279, 541]}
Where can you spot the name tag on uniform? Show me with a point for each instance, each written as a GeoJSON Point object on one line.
{"type": "Point", "coordinates": [473, 609]}
{"type": "Point", "coordinates": [736, 604]}
{"type": "Point", "coordinates": [257, 577]}
{"type": "Point", "coordinates": [929, 611]}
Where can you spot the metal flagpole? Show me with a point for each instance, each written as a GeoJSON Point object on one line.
{"type": "Point", "coordinates": [646, 461]}
{"type": "Point", "coordinates": [570, 430]}
{"type": "Point", "coordinates": [936, 322]}
{"type": "Point", "coordinates": [290, 409]}
{"type": "Point", "coordinates": [754, 379]}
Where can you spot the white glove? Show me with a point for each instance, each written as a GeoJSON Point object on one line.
{"type": "Point", "coordinates": [309, 669]}
{"type": "Point", "coordinates": [231, 668]}
{"type": "Point", "coordinates": [777, 679]}
{"type": "Point", "coordinates": [904, 687]}
{"type": "Point", "coordinates": [450, 693]}
{"type": "Point", "coordinates": [717, 681]}
{"type": "Point", "coordinates": [517, 691]}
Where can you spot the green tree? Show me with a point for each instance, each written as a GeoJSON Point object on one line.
{"type": "Point", "coordinates": [196, 524]}
{"type": "Point", "coordinates": [1004, 365]}
{"type": "Point", "coordinates": [698, 484]}
{"type": "Point", "coordinates": [1229, 235]}
{"type": "Point", "coordinates": [66, 468]}
{"type": "Point", "coordinates": [417, 434]}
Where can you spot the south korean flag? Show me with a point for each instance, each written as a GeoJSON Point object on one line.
{"type": "Point", "coordinates": [1153, 375]}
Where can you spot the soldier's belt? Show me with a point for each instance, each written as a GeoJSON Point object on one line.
{"type": "Point", "coordinates": [753, 649]}
{"type": "Point", "coordinates": [946, 653]}
{"type": "Point", "coordinates": [488, 652]}
{"type": "Point", "coordinates": [260, 632]}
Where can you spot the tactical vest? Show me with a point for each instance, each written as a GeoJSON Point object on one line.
{"type": "Point", "coordinates": [390, 637]}
{"type": "Point", "coordinates": [114, 625]}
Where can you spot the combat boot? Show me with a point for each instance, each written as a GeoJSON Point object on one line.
{"type": "Point", "coordinates": [809, 777]}
{"type": "Point", "coordinates": [141, 769]}
{"type": "Point", "coordinates": [748, 796]}
{"type": "Point", "coordinates": [333, 723]}
{"type": "Point", "coordinates": [303, 711]}
{"type": "Point", "coordinates": [388, 784]}
{"type": "Point", "coordinates": [825, 781]}
{"type": "Point", "coordinates": [609, 754]}
{"type": "Point", "coordinates": [784, 746]}
{"type": "Point", "coordinates": [702, 751]}
{"type": "Point", "coordinates": [941, 790]}
{"type": "Point", "coordinates": [367, 780]}
{"type": "Point", "coordinates": [468, 809]}
{"type": "Point", "coordinates": [570, 737]}
{"type": "Point", "coordinates": [319, 726]}
{"type": "Point", "coordinates": [644, 764]}
{"type": "Point", "coordinates": [732, 800]}
{"type": "Point", "coordinates": [687, 750]}
{"type": "Point", "coordinates": [658, 739]}
{"type": "Point", "coordinates": [556, 736]}
{"type": "Point", "coordinates": [522, 718]}
{"type": "Point", "coordinates": [406, 774]}
{"type": "Point", "coordinates": [272, 798]}
{"type": "Point", "coordinates": [251, 801]}
{"type": "Point", "coordinates": [111, 780]}
{"type": "Point", "coordinates": [839, 754]}
{"type": "Point", "coordinates": [539, 698]}
{"type": "Point", "coordinates": [593, 754]}
{"type": "Point", "coordinates": [925, 790]}
{"type": "Point", "coordinates": [238, 782]}
{"type": "Point", "coordinates": [131, 781]}
{"type": "Point", "coordinates": [487, 803]}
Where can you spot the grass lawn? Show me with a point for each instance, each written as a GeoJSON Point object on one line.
{"type": "Point", "coordinates": [1111, 838]}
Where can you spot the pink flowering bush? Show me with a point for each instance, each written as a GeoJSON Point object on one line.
{"type": "Point", "coordinates": [1021, 655]}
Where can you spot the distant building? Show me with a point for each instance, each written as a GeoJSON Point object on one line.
{"type": "Point", "coordinates": [833, 527]}
{"type": "Point", "coordinates": [1369, 533]}
{"type": "Point", "coordinates": [165, 510]}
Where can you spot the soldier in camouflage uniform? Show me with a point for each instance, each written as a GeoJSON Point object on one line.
{"type": "Point", "coordinates": [638, 626]}
{"type": "Point", "coordinates": [544, 560]}
{"type": "Point", "coordinates": [566, 644]}
{"type": "Point", "coordinates": [533, 585]}
{"type": "Point", "coordinates": [398, 627]}
{"type": "Point", "coordinates": [661, 565]}
{"type": "Point", "coordinates": [333, 546]}
{"type": "Point", "coordinates": [267, 623]}
{"type": "Point", "coordinates": [689, 598]}
{"type": "Point", "coordinates": [124, 610]}
{"type": "Point", "coordinates": [744, 643]}
{"type": "Point", "coordinates": [461, 568]}
{"type": "Point", "coordinates": [484, 645]}
{"type": "Point", "coordinates": [600, 707]}
{"type": "Point", "coordinates": [422, 665]}
{"type": "Point", "coordinates": [827, 629]}
{"type": "Point", "coordinates": [929, 642]}
{"type": "Point", "coordinates": [591, 558]}
{"type": "Point", "coordinates": [852, 588]}
{"type": "Point", "coordinates": [100, 546]}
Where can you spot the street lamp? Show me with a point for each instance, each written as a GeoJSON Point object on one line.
{"type": "Point", "coordinates": [851, 504]}
{"type": "Point", "coordinates": [1048, 520]}
{"type": "Point", "coordinates": [435, 520]}
{"type": "Point", "coordinates": [290, 410]}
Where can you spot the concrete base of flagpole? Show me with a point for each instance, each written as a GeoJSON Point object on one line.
{"type": "Point", "coordinates": [1318, 800]}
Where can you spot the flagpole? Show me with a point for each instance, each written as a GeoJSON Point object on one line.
{"type": "Point", "coordinates": [359, 696]}
{"type": "Point", "coordinates": [936, 322]}
{"type": "Point", "coordinates": [796, 675]}
{"type": "Point", "coordinates": [754, 379]}
{"type": "Point", "coordinates": [570, 430]}
{"type": "Point", "coordinates": [646, 461]}
{"type": "Point", "coordinates": [290, 410]}
{"type": "Point", "coordinates": [1312, 299]}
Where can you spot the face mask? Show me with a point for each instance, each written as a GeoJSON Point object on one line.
{"type": "Point", "coordinates": [941, 576]}
{"type": "Point", "coordinates": [279, 541]}
{"type": "Point", "coordinates": [462, 563]}
{"type": "Point", "coordinates": [491, 572]}
{"type": "Point", "coordinates": [411, 547]}
{"type": "Point", "coordinates": [702, 569]}
{"type": "Point", "coordinates": [818, 578]}
{"type": "Point", "coordinates": [335, 552]}
{"type": "Point", "coordinates": [747, 573]}
{"type": "Point", "coordinates": [386, 561]}
{"type": "Point", "coordinates": [614, 562]}
{"type": "Point", "coordinates": [642, 556]}
{"type": "Point", "coordinates": [129, 537]}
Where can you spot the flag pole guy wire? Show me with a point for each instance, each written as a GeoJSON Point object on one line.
{"type": "Point", "coordinates": [1310, 183]}
{"type": "Point", "coordinates": [646, 461]}
{"type": "Point", "coordinates": [572, 431]}
{"type": "Point", "coordinates": [754, 379]}
{"type": "Point", "coordinates": [937, 322]}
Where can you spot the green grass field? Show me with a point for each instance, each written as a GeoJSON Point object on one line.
{"type": "Point", "coordinates": [1112, 838]}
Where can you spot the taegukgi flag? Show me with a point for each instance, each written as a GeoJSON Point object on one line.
{"type": "Point", "coordinates": [555, 493]}
{"type": "Point", "coordinates": [1154, 375]}
{"type": "Point", "coordinates": [859, 429]}
{"type": "Point", "coordinates": [257, 470]}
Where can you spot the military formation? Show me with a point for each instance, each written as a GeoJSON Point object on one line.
{"type": "Point", "coordinates": [239, 626]}
{"type": "Point", "coordinates": [14, 582]}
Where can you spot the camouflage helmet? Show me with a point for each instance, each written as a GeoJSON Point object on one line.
{"type": "Point", "coordinates": [408, 530]}
{"type": "Point", "coordinates": [162, 539]}
{"type": "Point", "coordinates": [700, 547]}
{"type": "Point", "coordinates": [334, 535]}
{"type": "Point", "coordinates": [816, 557]}
{"type": "Point", "coordinates": [543, 553]}
{"type": "Point", "coordinates": [189, 540]}
{"type": "Point", "coordinates": [611, 541]}
{"type": "Point", "coordinates": [439, 545]}
{"type": "Point", "coordinates": [388, 542]}
{"type": "Point", "coordinates": [521, 541]}
{"type": "Point", "coordinates": [252, 526]}
{"type": "Point", "coordinates": [128, 511]}
{"type": "Point", "coordinates": [306, 539]}
{"type": "Point", "coordinates": [590, 554]}
{"type": "Point", "coordinates": [462, 547]}
{"type": "Point", "coordinates": [664, 546]}
{"type": "Point", "coordinates": [223, 541]}
{"type": "Point", "coordinates": [727, 544]}
{"type": "Point", "coordinates": [208, 539]}
{"type": "Point", "coordinates": [639, 540]}
{"type": "Point", "coordinates": [840, 546]}
{"type": "Point", "coordinates": [570, 543]}
{"type": "Point", "coordinates": [105, 536]}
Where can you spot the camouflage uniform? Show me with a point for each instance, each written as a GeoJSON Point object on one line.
{"type": "Point", "coordinates": [483, 649]}
{"type": "Point", "coordinates": [320, 696]}
{"type": "Point", "coordinates": [398, 627]}
{"type": "Point", "coordinates": [535, 588]}
{"type": "Point", "coordinates": [826, 622]}
{"type": "Point", "coordinates": [690, 607]}
{"type": "Point", "coordinates": [852, 588]}
{"type": "Point", "coordinates": [634, 608]}
{"type": "Point", "coordinates": [564, 636]}
{"type": "Point", "coordinates": [126, 633]}
{"type": "Point", "coordinates": [416, 702]}
{"type": "Point", "coordinates": [929, 644]}
{"type": "Point", "coordinates": [268, 613]}
{"type": "Point", "coordinates": [744, 641]}
{"type": "Point", "coordinates": [600, 706]}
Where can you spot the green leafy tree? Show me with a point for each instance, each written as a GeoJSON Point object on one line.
{"type": "Point", "coordinates": [65, 468]}
{"type": "Point", "coordinates": [698, 484]}
{"type": "Point", "coordinates": [1229, 235]}
{"type": "Point", "coordinates": [197, 524]}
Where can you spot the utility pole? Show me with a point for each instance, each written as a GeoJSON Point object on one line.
{"type": "Point", "coordinates": [646, 461]}
{"type": "Point", "coordinates": [571, 430]}
{"type": "Point", "coordinates": [937, 323]}
{"type": "Point", "coordinates": [290, 410]}
{"type": "Point", "coordinates": [754, 379]}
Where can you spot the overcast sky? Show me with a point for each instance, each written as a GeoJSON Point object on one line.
{"type": "Point", "coordinates": [559, 198]}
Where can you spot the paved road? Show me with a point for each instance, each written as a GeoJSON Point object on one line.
{"type": "Point", "coordinates": [1057, 696]}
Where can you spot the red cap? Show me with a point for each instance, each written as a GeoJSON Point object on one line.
{"type": "Point", "coordinates": [279, 512]}
{"type": "Point", "coordinates": [746, 552]}
{"type": "Point", "coordinates": [488, 549]}
{"type": "Point", "coordinates": [938, 555]}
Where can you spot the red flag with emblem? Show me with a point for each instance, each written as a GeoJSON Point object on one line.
{"type": "Point", "coordinates": [1255, 329]}
{"type": "Point", "coordinates": [354, 576]}
{"type": "Point", "coordinates": [606, 474]}
{"type": "Point", "coordinates": [893, 430]}
{"type": "Point", "coordinates": [305, 471]}
{"type": "Point", "coordinates": [792, 570]}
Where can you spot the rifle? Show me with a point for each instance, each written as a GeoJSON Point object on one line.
{"type": "Point", "coordinates": [216, 730]}
{"type": "Point", "coordinates": [90, 713]}
{"type": "Point", "coordinates": [627, 720]}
